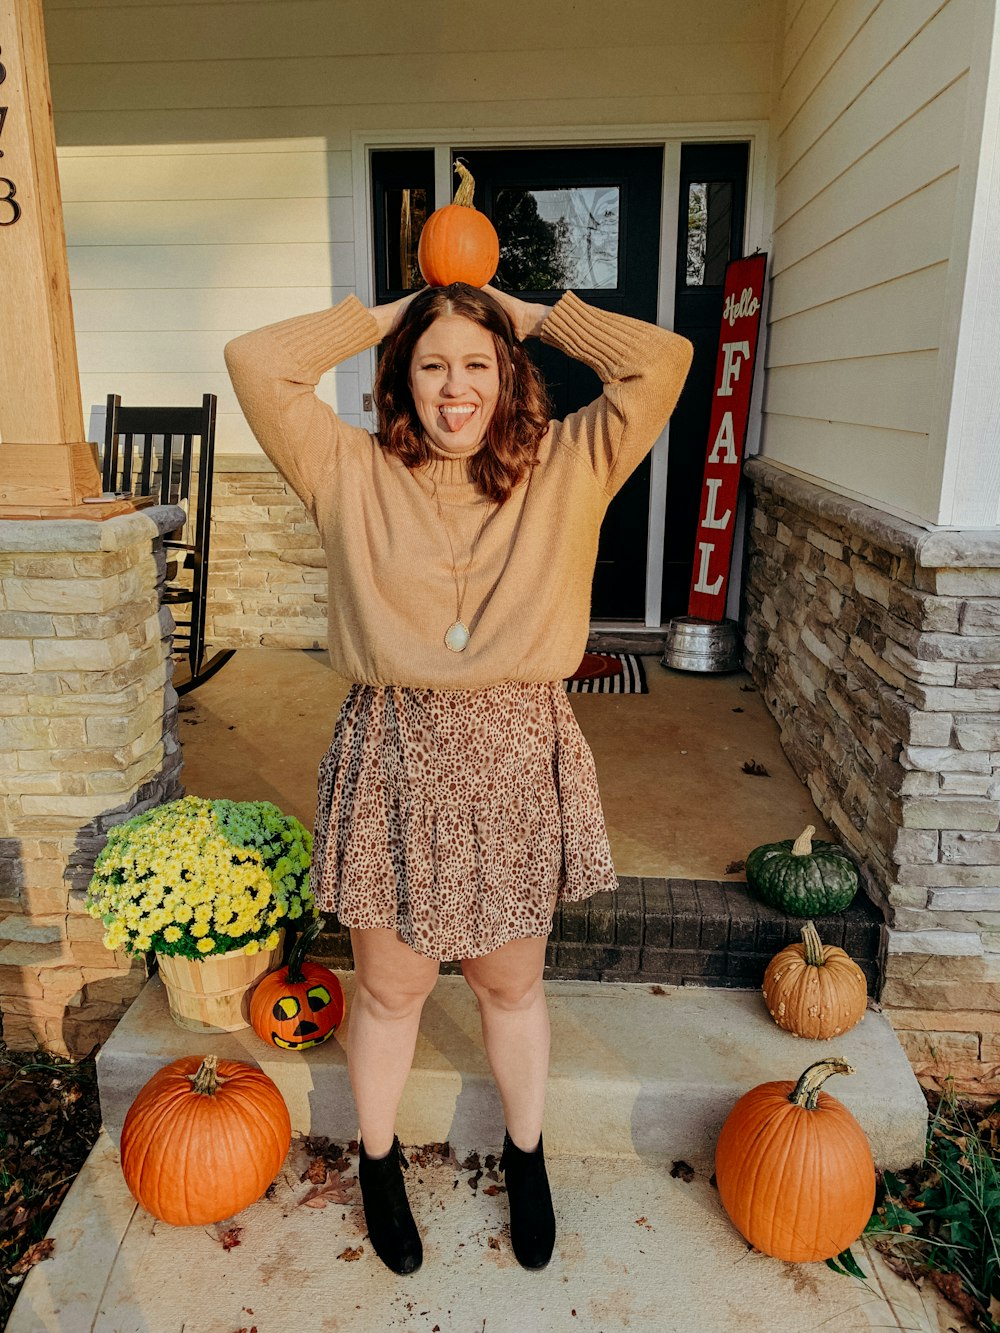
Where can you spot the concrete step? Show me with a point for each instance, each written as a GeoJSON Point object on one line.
{"type": "Point", "coordinates": [636, 1070]}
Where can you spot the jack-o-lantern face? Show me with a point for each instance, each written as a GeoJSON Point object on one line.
{"type": "Point", "coordinates": [303, 1015]}
{"type": "Point", "coordinates": [300, 1012]}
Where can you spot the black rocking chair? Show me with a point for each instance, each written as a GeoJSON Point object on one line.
{"type": "Point", "coordinates": [166, 471]}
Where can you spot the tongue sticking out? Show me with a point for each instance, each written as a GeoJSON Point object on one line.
{"type": "Point", "coordinates": [454, 421]}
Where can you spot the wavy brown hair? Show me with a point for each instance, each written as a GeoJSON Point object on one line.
{"type": "Point", "coordinates": [520, 418]}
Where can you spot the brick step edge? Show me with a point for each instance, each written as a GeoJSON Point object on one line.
{"type": "Point", "coordinates": [677, 932]}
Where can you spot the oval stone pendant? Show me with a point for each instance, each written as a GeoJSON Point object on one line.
{"type": "Point", "coordinates": [457, 637]}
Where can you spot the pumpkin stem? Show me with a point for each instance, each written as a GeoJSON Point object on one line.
{"type": "Point", "coordinates": [207, 1079]}
{"type": "Point", "coordinates": [467, 186]}
{"type": "Point", "coordinates": [803, 844]}
{"type": "Point", "coordinates": [813, 945]}
{"type": "Point", "coordinates": [296, 957]}
{"type": "Point", "coordinates": [806, 1091]}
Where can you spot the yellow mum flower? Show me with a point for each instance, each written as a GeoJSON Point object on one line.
{"type": "Point", "coordinates": [206, 946]}
{"type": "Point", "coordinates": [252, 946]}
{"type": "Point", "coordinates": [272, 940]}
{"type": "Point", "coordinates": [172, 934]}
{"type": "Point", "coordinates": [199, 929]}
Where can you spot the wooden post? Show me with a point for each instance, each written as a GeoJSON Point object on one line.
{"type": "Point", "coordinates": [46, 469]}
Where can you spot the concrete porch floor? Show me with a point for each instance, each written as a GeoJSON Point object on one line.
{"type": "Point", "coordinates": [637, 1249]}
{"type": "Point", "coordinates": [669, 763]}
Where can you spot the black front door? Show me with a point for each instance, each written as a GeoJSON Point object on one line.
{"type": "Point", "coordinates": [586, 219]}
{"type": "Point", "coordinates": [711, 210]}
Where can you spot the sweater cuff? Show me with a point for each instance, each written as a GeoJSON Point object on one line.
{"type": "Point", "coordinates": [318, 342]}
{"type": "Point", "coordinates": [606, 342]}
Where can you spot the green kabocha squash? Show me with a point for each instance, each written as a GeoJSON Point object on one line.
{"type": "Point", "coordinates": [803, 878]}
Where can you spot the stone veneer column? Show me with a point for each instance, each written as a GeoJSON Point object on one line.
{"type": "Point", "coordinates": [268, 586]}
{"type": "Point", "coordinates": [876, 645]}
{"type": "Point", "coordinates": [88, 724]}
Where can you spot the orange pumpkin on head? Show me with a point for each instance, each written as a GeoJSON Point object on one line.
{"type": "Point", "coordinates": [298, 1005]}
{"type": "Point", "coordinates": [458, 243]}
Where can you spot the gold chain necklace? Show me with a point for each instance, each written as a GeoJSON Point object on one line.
{"type": "Point", "coordinates": [457, 635]}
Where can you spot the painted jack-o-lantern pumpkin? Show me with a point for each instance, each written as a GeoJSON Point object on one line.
{"type": "Point", "coordinates": [298, 1005]}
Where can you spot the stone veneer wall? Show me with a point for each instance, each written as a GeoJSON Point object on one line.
{"type": "Point", "coordinates": [88, 723]}
{"type": "Point", "coordinates": [876, 644]}
{"type": "Point", "coordinates": [267, 581]}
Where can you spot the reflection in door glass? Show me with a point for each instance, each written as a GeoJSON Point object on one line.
{"type": "Point", "coordinates": [554, 239]}
{"type": "Point", "coordinates": [710, 206]}
{"type": "Point", "coordinates": [405, 215]}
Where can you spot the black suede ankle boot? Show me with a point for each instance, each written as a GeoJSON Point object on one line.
{"type": "Point", "coordinates": [391, 1228]}
{"type": "Point", "coordinates": [532, 1221]}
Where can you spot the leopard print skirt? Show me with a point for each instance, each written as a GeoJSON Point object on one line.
{"type": "Point", "coordinates": [454, 816]}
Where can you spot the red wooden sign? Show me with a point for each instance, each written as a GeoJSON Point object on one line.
{"type": "Point", "coordinates": [727, 432]}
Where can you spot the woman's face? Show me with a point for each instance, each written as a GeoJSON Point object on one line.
{"type": "Point", "coordinates": [455, 382]}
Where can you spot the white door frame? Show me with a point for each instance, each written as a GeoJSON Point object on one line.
{"type": "Point", "coordinates": [756, 233]}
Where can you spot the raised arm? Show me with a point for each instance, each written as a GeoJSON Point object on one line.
{"type": "Point", "coordinates": [275, 371]}
{"type": "Point", "coordinates": [642, 368]}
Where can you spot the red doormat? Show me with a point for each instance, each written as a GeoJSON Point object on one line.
{"type": "Point", "coordinates": [608, 673]}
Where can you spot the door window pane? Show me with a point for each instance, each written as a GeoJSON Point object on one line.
{"type": "Point", "coordinates": [405, 215]}
{"type": "Point", "coordinates": [402, 199]}
{"type": "Point", "coordinates": [551, 239]}
{"type": "Point", "coordinates": [709, 220]}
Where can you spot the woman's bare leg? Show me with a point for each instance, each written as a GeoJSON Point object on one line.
{"type": "Point", "coordinates": [391, 984]}
{"type": "Point", "coordinates": [515, 1020]}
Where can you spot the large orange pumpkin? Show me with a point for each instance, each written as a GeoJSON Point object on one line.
{"type": "Point", "coordinates": [298, 1005]}
{"type": "Point", "coordinates": [794, 1169]}
{"type": "Point", "coordinates": [458, 243]}
{"type": "Point", "coordinates": [204, 1139]}
{"type": "Point", "coordinates": [813, 989]}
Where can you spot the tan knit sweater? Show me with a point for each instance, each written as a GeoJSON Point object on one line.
{"type": "Point", "coordinates": [392, 589]}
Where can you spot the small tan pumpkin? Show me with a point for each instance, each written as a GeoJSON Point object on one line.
{"type": "Point", "coordinates": [815, 990]}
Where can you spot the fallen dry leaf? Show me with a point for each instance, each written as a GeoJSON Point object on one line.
{"type": "Point", "coordinates": [335, 1190]}
{"type": "Point", "coordinates": [734, 867]}
{"type": "Point", "coordinates": [493, 1243]}
{"type": "Point", "coordinates": [681, 1171]}
{"type": "Point", "coordinates": [315, 1172]}
{"type": "Point", "coordinates": [657, 990]}
{"type": "Point", "coordinates": [34, 1254]}
{"type": "Point", "coordinates": [755, 769]}
{"type": "Point", "coordinates": [494, 1189]}
{"type": "Point", "coordinates": [950, 1286]}
{"type": "Point", "coordinates": [350, 1255]}
{"type": "Point", "coordinates": [231, 1237]}
{"type": "Point", "coordinates": [641, 1222]}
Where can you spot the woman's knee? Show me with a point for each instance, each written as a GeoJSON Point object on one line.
{"type": "Point", "coordinates": [385, 999]}
{"type": "Point", "coordinates": [391, 980]}
{"type": "Point", "coordinates": [502, 987]}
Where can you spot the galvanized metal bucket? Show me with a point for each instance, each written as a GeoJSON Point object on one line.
{"type": "Point", "coordinates": [702, 645]}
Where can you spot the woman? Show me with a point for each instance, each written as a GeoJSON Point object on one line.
{"type": "Point", "coordinates": [458, 800]}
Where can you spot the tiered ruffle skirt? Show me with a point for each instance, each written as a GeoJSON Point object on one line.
{"type": "Point", "coordinates": [454, 816]}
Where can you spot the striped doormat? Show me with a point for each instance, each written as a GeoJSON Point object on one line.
{"type": "Point", "coordinates": [608, 673]}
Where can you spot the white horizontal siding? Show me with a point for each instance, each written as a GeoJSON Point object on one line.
{"type": "Point", "coordinates": [99, 176]}
{"type": "Point", "coordinates": [205, 148]}
{"type": "Point", "coordinates": [855, 325]}
{"type": "Point", "coordinates": [222, 309]}
{"type": "Point", "coordinates": [862, 461]}
{"type": "Point", "coordinates": [98, 31]}
{"type": "Point", "coordinates": [871, 122]}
